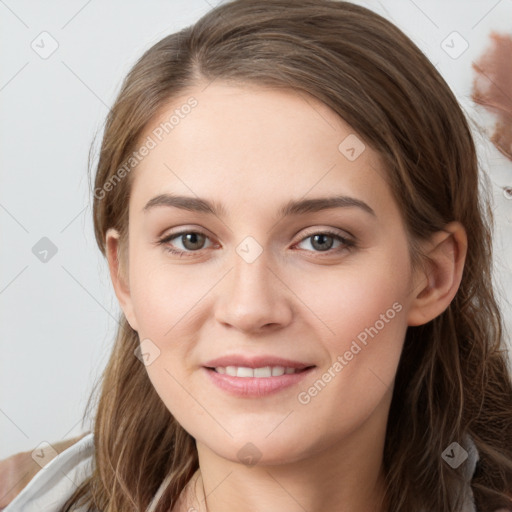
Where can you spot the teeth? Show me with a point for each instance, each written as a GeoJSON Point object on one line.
{"type": "Point", "coordinates": [266, 371]}
{"type": "Point", "coordinates": [277, 370]}
{"type": "Point", "coordinates": [260, 372]}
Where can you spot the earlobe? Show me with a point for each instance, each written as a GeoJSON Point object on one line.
{"type": "Point", "coordinates": [437, 286]}
{"type": "Point", "coordinates": [119, 275]}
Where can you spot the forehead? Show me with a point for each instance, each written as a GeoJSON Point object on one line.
{"type": "Point", "coordinates": [252, 145]}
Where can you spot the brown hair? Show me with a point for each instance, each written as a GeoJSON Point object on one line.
{"type": "Point", "coordinates": [452, 379]}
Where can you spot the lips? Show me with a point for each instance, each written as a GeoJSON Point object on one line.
{"type": "Point", "coordinates": [246, 386]}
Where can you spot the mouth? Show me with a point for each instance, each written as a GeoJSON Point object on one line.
{"type": "Point", "coordinates": [261, 372]}
{"type": "Point", "coordinates": [246, 382]}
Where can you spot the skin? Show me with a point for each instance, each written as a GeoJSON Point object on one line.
{"type": "Point", "coordinates": [253, 149]}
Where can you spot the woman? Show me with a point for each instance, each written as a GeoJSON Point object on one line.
{"type": "Point", "coordinates": [288, 199]}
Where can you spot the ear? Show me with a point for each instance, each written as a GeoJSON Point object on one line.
{"type": "Point", "coordinates": [436, 286]}
{"type": "Point", "coordinates": [118, 267]}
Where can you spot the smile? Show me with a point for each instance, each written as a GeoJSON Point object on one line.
{"type": "Point", "coordinates": [241, 381]}
{"type": "Point", "coordinates": [265, 371]}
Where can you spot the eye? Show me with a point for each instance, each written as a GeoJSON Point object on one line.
{"type": "Point", "coordinates": [192, 241]}
{"type": "Point", "coordinates": [322, 241]}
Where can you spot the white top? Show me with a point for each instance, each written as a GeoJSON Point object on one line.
{"type": "Point", "coordinates": [56, 482]}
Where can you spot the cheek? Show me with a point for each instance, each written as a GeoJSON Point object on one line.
{"type": "Point", "coordinates": [345, 302]}
{"type": "Point", "coordinates": [359, 315]}
{"type": "Point", "coordinates": [362, 329]}
{"type": "Point", "coordinates": [164, 295]}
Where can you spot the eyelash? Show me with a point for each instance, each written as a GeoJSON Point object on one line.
{"type": "Point", "coordinates": [348, 244]}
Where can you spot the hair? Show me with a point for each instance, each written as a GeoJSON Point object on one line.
{"type": "Point", "coordinates": [452, 380]}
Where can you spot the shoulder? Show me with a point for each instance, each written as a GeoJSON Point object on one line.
{"type": "Point", "coordinates": [57, 481]}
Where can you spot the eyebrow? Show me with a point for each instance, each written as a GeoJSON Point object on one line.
{"type": "Point", "coordinates": [292, 207]}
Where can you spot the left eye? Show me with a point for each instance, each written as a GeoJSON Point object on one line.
{"type": "Point", "coordinates": [318, 240]}
{"type": "Point", "coordinates": [192, 241]}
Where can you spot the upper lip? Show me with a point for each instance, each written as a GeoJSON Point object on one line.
{"type": "Point", "coordinates": [254, 362]}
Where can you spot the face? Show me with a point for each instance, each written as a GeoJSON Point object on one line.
{"type": "Point", "coordinates": [325, 288]}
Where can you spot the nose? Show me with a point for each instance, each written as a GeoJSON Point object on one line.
{"type": "Point", "coordinates": [253, 297]}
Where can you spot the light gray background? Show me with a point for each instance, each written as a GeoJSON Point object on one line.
{"type": "Point", "coordinates": [58, 318]}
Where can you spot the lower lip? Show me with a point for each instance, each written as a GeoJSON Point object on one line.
{"type": "Point", "coordinates": [255, 386]}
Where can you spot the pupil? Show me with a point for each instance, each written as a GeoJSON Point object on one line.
{"type": "Point", "coordinates": [322, 245]}
{"type": "Point", "coordinates": [193, 241]}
